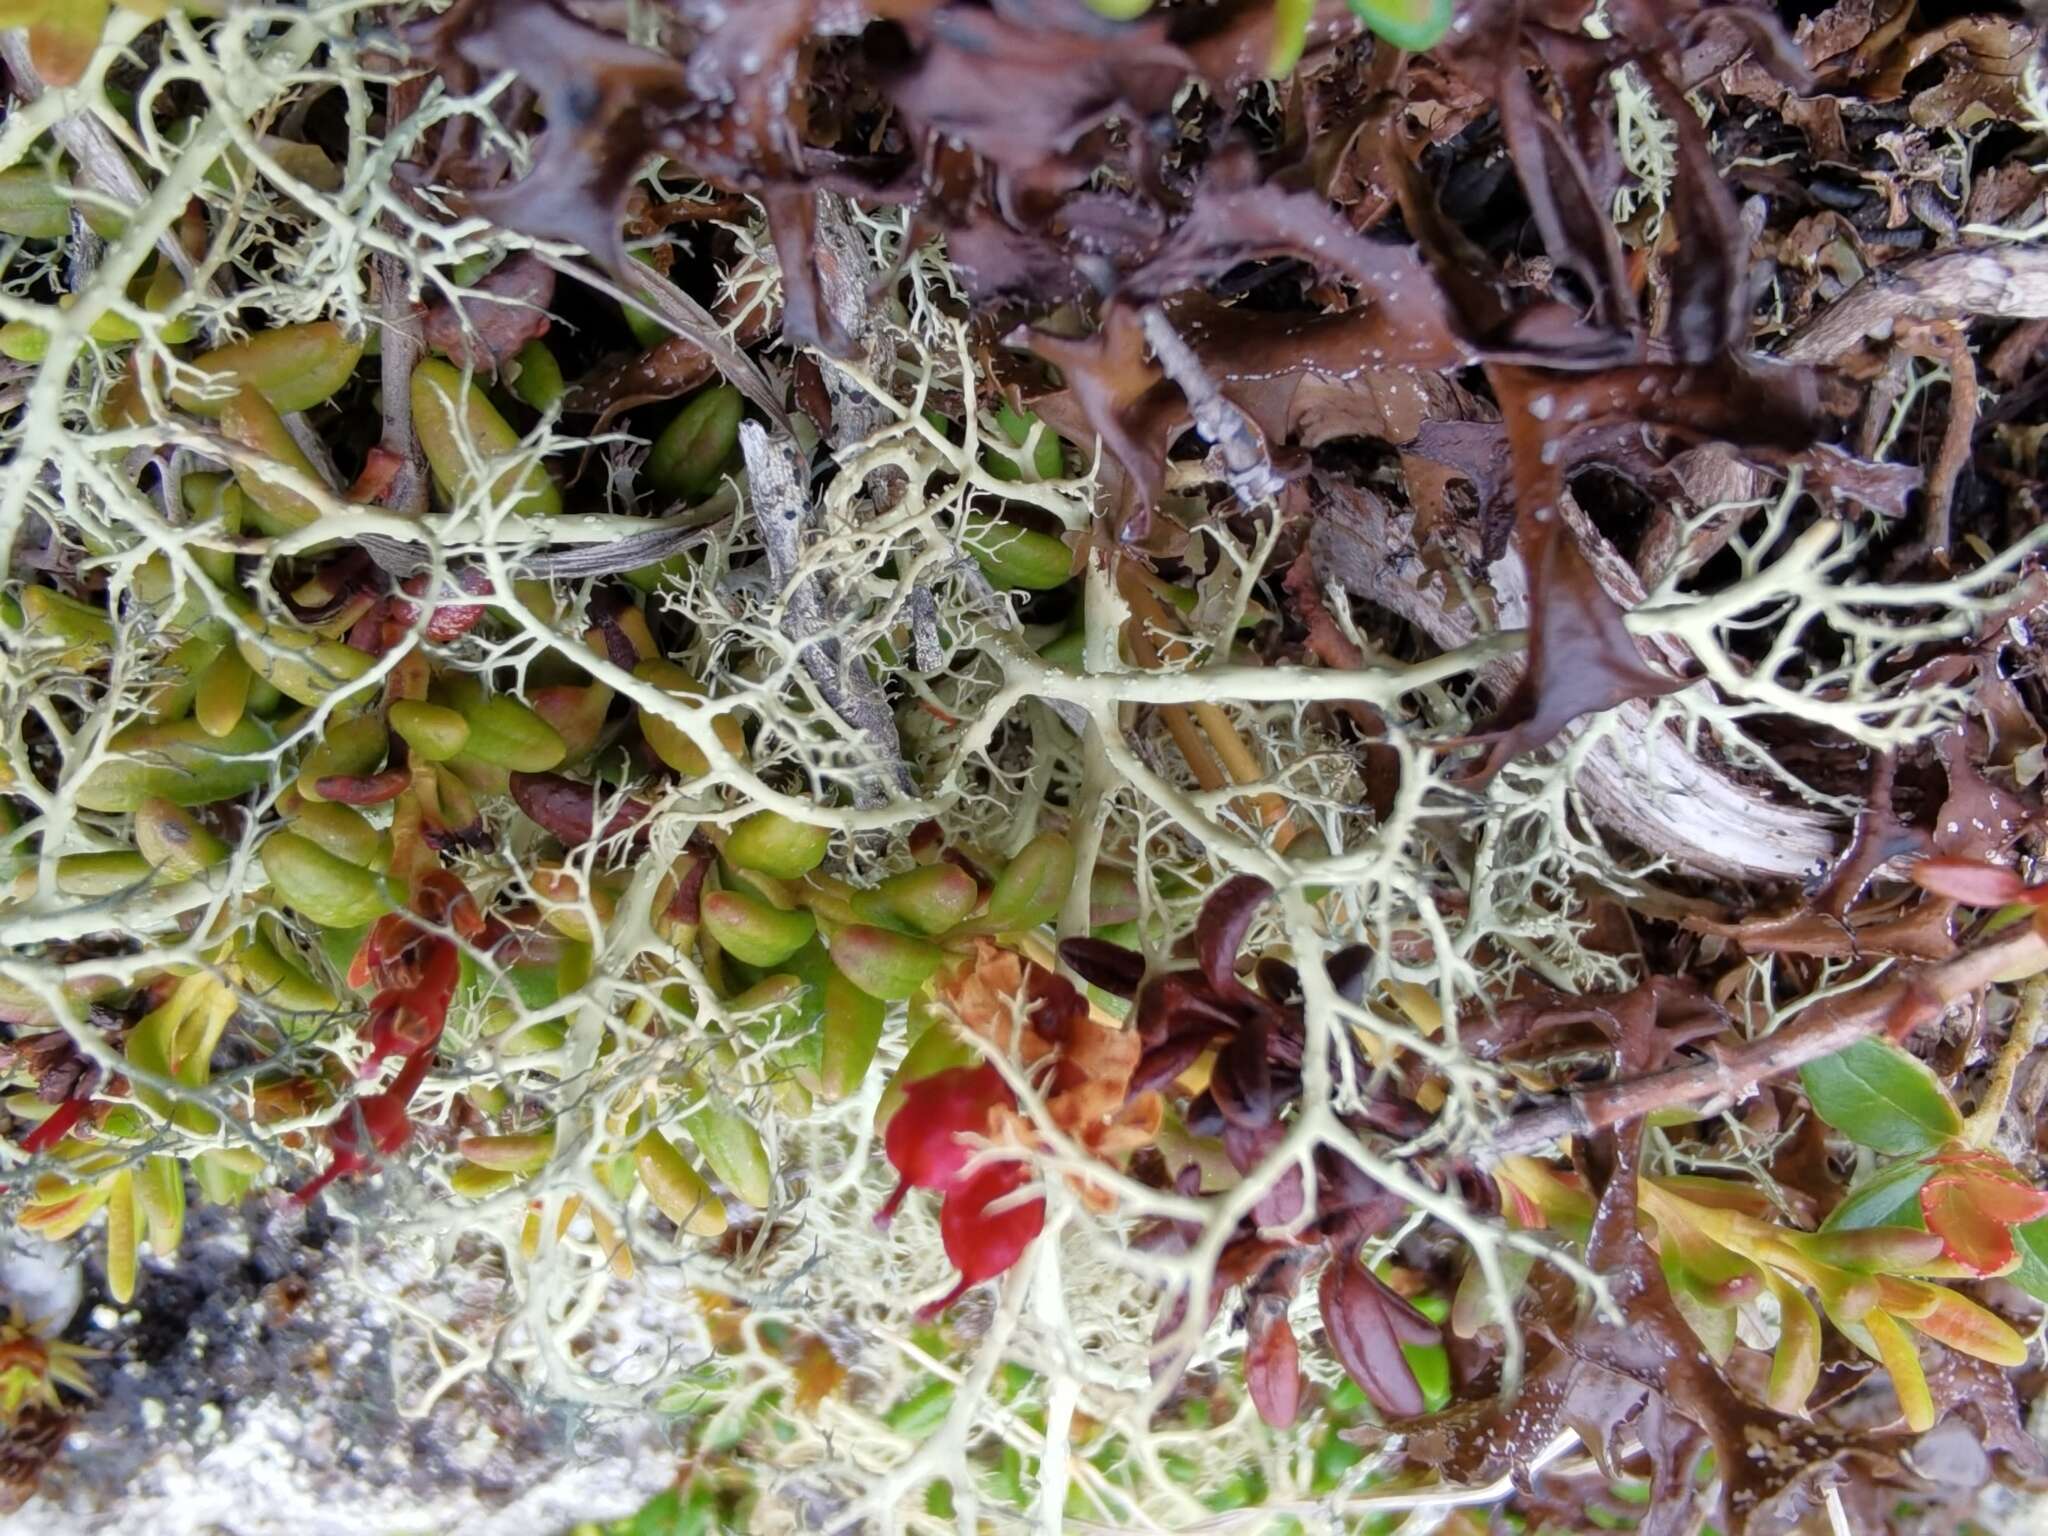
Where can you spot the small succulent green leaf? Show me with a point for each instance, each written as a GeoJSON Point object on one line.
{"type": "Point", "coordinates": [1033, 886]}
{"type": "Point", "coordinates": [884, 964]}
{"type": "Point", "coordinates": [752, 931]}
{"type": "Point", "coordinates": [772, 844]}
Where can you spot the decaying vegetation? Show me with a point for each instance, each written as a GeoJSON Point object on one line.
{"type": "Point", "coordinates": [1355, 686]}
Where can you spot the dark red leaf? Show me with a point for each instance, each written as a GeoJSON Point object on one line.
{"type": "Point", "coordinates": [686, 906]}
{"type": "Point", "coordinates": [595, 91]}
{"type": "Point", "coordinates": [1219, 932]}
{"type": "Point", "coordinates": [1366, 1324]}
{"type": "Point", "coordinates": [1348, 969]}
{"type": "Point", "coordinates": [567, 809]}
{"type": "Point", "coordinates": [1976, 820]}
{"type": "Point", "coordinates": [1272, 1363]}
{"type": "Point", "coordinates": [1242, 1083]}
{"type": "Point", "coordinates": [1568, 210]}
{"type": "Point", "coordinates": [1239, 217]}
{"type": "Point", "coordinates": [365, 788]}
{"type": "Point", "coordinates": [1122, 396]}
{"type": "Point", "coordinates": [1164, 1062]}
{"type": "Point", "coordinates": [1100, 963]}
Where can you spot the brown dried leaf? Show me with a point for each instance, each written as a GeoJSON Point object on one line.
{"type": "Point", "coordinates": [482, 332]}
{"type": "Point", "coordinates": [599, 95]}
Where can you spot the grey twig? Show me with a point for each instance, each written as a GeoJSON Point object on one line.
{"type": "Point", "coordinates": [1247, 467]}
{"type": "Point", "coordinates": [400, 354]}
{"type": "Point", "coordinates": [782, 509]}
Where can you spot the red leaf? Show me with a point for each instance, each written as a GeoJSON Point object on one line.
{"type": "Point", "coordinates": [1366, 1324]}
{"type": "Point", "coordinates": [1968, 881]}
{"type": "Point", "coordinates": [980, 1242]}
{"type": "Point", "coordinates": [1272, 1364]}
{"type": "Point", "coordinates": [376, 1124]}
{"type": "Point", "coordinates": [1219, 932]}
{"type": "Point", "coordinates": [568, 810]}
{"type": "Point", "coordinates": [924, 1140]}
{"type": "Point", "coordinates": [365, 788]}
{"type": "Point", "coordinates": [57, 1126]}
{"type": "Point", "coordinates": [1974, 1210]}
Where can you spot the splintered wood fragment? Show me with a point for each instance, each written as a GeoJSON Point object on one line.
{"type": "Point", "coordinates": [2008, 282]}
{"type": "Point", "coordinates": [844, 273]}
{"type": "Point", "coordinates": [782, 510]}
{"type": "Point", "coordinates": [1641, 779]}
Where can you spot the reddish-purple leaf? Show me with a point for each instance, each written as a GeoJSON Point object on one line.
{"type": "Point", "coordinates": [1219, 932]}
{"type": "Point", "coordinates": [1243, 1080]}
{"type": "Point", "coordinates": [1272, 1362]}
{"type": "Point", "coordinates": [568, 810]}
{"type": "Point", "coordinates": [686, 905]}
{"type": "Point", "coordinates": [1164, 1062]}
{"type": "Point", "coordinates": [1366, 1325]}
{"type": "Point", "coordinates": [507, 308]}
{"type": "Point", "coordinates": [1098, 962]}
{"type": "Point", "coordinates": [364, 788]}
{"type": "Point", "coordinates": [1347, 970]}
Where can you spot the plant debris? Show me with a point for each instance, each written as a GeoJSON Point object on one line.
{"type": "Point", "coordinates": [1179, 762]}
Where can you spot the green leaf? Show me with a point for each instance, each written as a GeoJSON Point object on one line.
{"type": "Point", "coordinates": [660, 1516]}
{"type": "Point", "coordinates": [2032, 1242]}
{"type": "Point", "coordinates": [1412, 24]}
{"type": "Point", "coordinates": [1290, 33]}
{"type": "Point", "coordinates": [1889, 1198]}
{"type": "Point", "coordinates": [1878, 1096]}
{"type": "Point", "coordinates": [921, 1412]}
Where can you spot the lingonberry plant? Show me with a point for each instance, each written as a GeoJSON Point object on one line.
{"type": "Point", "coordinates": [1178, 765]}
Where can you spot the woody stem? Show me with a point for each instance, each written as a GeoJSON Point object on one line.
{"type": "Point", "coordinates": [1982, 1126]}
